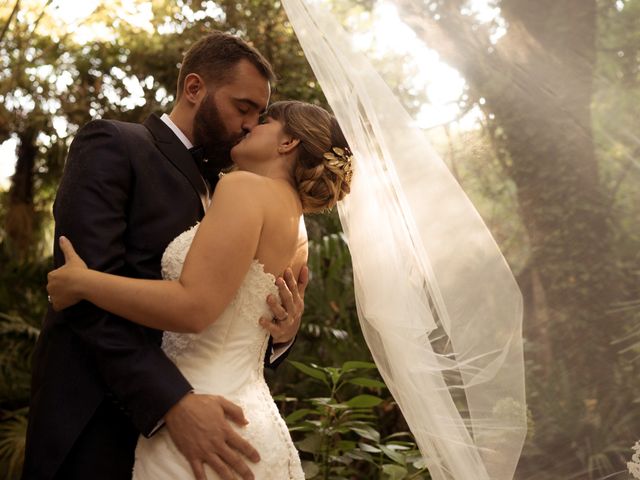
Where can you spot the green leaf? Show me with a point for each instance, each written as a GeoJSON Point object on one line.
{"type": "Point", "coordinates": [311, 469]}
{"type": "Point", "coordinates": [357, 365]}
{"type": "Point", "coordinates": [346, 445]}
{"type": "Point", "coordinates": [395, 472]}
{"type": "Point", "coordinates": [365, 447]}
{"type": "Point", "coordinates": [364, 415]}
{"type": "Point", "coordinates": [399, 446]}
{"type": "Point", "coordinates": [393, 455]}
{"type": "Point", "coordinates": [364, 401]}
{"type": "Point", "coordinates": [365, 431]}
{"type": "Point", "coordinates": [359, 454]}
{"type": "Point", "coordinates": [310, 371]}
{"type": "Point", "coordinates": [420, 463]}
{"type": "Point", "coordinates": [337, 406]}
{"type": "Point", "coordinates": [395, 435]}
{"type": "Point", "coordinates": [283, 398]}
{"type": "Point", "coordinates": [334, 373]}
{"type": "Point", "coordinates": [305, 427]}
{"type": "Point", "coordinates": [367, 382]}
{"type": "Point", "coordinates": [310, 444]}
{"type": "Point", "coordinates": [298, 414]}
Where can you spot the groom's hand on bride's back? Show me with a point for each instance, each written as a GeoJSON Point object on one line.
{"type": "Point", "coordinates": [200, 427]}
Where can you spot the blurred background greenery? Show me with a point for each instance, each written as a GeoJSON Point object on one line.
{"type": "Point", "coordinates": [533, 105]}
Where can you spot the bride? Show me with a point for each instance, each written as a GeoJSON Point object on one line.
{"type": "Point", "coordinates": [217, 274]}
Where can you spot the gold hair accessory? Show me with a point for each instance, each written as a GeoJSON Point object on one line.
{"type": "Point", "coordinates": [341, 158]}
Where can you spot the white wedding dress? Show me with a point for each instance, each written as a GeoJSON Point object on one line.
{"type": "Point", "coordinates": [226, 359]}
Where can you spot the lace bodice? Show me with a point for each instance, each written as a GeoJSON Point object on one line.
{"type": "Point", "coordinates": [249, 303]}
{"type": "Point", "coordinates": [225, 359]}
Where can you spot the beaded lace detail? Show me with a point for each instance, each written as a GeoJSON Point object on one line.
{"type": "Point", "coordinates": [172, 261]}
{"type": "Point", "coordinates": [257, 284]}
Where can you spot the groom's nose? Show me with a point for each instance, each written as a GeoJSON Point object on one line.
{"type": "Point", "coordinates": [249, 122]}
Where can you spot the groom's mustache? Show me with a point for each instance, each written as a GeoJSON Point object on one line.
{"type": "Point", "coordinates": [240, 138]}
{"type": "Point", "coordinates": [233, 139]}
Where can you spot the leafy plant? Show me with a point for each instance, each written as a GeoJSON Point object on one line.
{"type": "Point", "coordinates": [17, 340]}
{"type": "Point", "coordinates": [338, 434]}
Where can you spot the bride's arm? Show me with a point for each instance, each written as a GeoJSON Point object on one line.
{"type": "Point", "coordinates": [218, 260]}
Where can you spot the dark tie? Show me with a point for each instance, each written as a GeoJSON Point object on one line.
{"type": "Point", "coordinates": [207, 169]}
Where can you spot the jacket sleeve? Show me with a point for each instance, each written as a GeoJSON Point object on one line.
{"type": "Point", "coordinates": [273, 361]}
{"type": "Point", "coordinates": [91, 210]}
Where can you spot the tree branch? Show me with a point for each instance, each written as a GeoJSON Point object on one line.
{"type": "Point", "coordinates": [6, 26]}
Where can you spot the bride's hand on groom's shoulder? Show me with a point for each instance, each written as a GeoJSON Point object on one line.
{"type": "Point", "coordinates": [287, 313]}
{"type": "Point", "coordinates": [200, 427]}
{"type": "Point", "coordinates": [63, 284]}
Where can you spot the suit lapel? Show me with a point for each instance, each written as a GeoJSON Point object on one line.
{"type": "Point", "coordinates": [173, 149]}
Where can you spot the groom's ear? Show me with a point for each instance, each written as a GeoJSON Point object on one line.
{"type": "Point", "coordinates": [288, 145]}
{"type": "Point", "coordinates": [194, 88]}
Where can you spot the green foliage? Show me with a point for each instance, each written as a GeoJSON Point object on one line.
{"type": "Point", "coordinates": [17, 340]}
{"type": "Point", "coordinates": [13, 429]}
{"type": "Point", "coordinates": [329, 332]}
{"type": "Point", "coordinates": [338, 433]}
{"type": "Point", "coordinates": [563, 426]}
{"type": "Point", "coordinates": [330, 298]}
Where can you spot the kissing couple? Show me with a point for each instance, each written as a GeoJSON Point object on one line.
{"type": "Point", "coordinates": [152, 238]}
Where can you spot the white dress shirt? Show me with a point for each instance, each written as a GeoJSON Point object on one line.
{"type": "Point", "coordinates": [206, 198]}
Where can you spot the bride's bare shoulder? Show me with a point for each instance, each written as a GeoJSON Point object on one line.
{"type": "Point", "coordinates": [240, 185]}
{"type": "Point", "coordinates": [239, 178]}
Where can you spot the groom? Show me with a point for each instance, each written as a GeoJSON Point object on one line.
{"type": "Point", "coordinates": [127, 191]}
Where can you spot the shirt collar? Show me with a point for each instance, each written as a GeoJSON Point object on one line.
{"type": "Point", "coordinates": [174, 128]}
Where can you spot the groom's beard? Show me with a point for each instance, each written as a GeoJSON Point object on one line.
{"type": "Point", "coordinates": [210, 133]}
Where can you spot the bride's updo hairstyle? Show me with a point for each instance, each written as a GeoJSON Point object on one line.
{"type": "Point", "coordinates": [323, 170]}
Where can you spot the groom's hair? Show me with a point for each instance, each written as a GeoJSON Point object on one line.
{"type": "Point", "coordinates": [214, 57]}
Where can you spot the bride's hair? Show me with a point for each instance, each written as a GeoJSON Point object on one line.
{"type": "Point", "coordinates": [320, 181]}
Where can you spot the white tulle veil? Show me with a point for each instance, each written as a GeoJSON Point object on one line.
{"type": "Point", "coordinates": [437, 302]}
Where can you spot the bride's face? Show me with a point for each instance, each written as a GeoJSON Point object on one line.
{"type": "Point", "coordinates": [261, 144]}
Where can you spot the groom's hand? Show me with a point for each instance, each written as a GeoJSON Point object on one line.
{"type": "Point", "coordinates": [64, 284]}
{"type": "Point", "coordinates": [199, 426]}
{"type": "Point", "coordinates": [287, 313]}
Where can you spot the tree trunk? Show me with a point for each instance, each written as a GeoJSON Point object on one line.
{"type": "Point", "coordinates": [537, 82]}
{"type": "Point", "coordinates": [19, 221]}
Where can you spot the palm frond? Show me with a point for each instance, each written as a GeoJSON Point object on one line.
{"type": "Point", "coordinates": [13, 430]}
{"type": "Point", "coordinates": [17, 341]}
